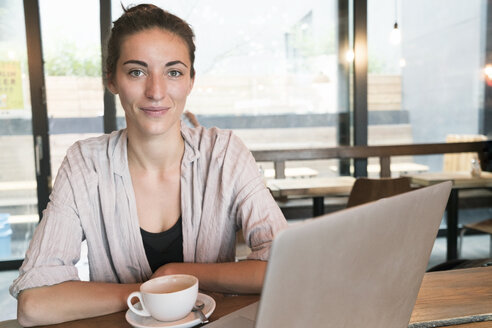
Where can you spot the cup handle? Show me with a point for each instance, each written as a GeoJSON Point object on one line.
{"type": "Point", "coordinates": [143, 312]}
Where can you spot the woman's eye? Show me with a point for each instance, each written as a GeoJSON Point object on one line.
{"type": "Point", "coordinates": [135, 73]}
{"type": "Point", "coordinates": [175, 73]}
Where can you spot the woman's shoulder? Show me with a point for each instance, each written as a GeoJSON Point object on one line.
{"type": "Point", "coordinates": [96, 149]}
{"type": "Point", "coordinates": [93, 146]}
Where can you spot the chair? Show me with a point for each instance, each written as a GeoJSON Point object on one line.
{"type": "Point", "coordinates": [367, 190]}
{"type": "Point", "coordinates": [460, 162]}
{"type": "Point", "coordinates": [481, 226]}
{"type": "Point", "coordinates": [484, 226]}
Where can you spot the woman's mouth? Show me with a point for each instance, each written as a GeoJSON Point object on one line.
{"type": "Point", "coordinates": [155, 111]}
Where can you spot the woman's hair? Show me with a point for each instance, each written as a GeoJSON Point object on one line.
{"type": "Point", "coordinates": [143, 17]}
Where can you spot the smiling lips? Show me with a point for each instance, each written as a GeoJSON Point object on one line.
{"type": "Point", "coordinates": [155, 111]}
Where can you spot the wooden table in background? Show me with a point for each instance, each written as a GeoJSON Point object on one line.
{"type": "Point", "coordinates": [460, 180]}
{"type": "Point", "coordinates": [293, 172]}
{"type": "Point", "coordinates": [446, 297]}
{"type": "Point", "coordinates": [396, 169]}
{"type": "Point", "coordinates": [316, 188]}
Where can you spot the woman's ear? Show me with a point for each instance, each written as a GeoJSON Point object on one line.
{"type": "Point", "coordinates": [111, 85]}
{"type": "Point", "coordinates": [192, 82]}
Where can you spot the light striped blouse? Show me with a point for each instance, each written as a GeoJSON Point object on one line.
{"type": "Point", "coordinates": [93, 199]}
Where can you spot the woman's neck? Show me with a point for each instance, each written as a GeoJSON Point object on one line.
{"type": "Point", "coordinates": [157, 153]}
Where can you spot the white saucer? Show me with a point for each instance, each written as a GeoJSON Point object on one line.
{"type": "Point", "coordinates": [190, 320]}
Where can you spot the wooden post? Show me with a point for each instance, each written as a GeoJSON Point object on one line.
{"type": "Point", "coordinates": [385, 167]}
{"type": "Point", "coordinates": [279, 169]}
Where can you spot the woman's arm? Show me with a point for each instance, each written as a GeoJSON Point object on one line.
{"type": "Point", "coordinates": [71, 300]}
{"type": "Point", "coordinates": [244, 277]}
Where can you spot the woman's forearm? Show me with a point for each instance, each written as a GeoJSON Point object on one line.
{"type": "Point", "coordinates": [244, 277]}
{"type": "Point", "coordinates": [79, 299]}
{"type": "Point", "coordinates": [71, 300]}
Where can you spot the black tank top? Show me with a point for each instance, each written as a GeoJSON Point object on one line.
{"type": "Point", "coordinates": [163, 247]}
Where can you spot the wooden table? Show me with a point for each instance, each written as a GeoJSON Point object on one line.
{"type": "Point", "coordinates": [292, 172]}
{"type": "Point", "coordinates": [445, 298]}
{"type": "Point", "coordinates": [454, 297]}
{"type": "Point", "coordinates": [396, 169]}
{"type": "Point", "coordinates": [460, 180]}
{"type": "Point", "coordinates": [399, 168]}
{"type": "Point", "coordinates": [316, 188]}
{"type": "Point", "coordinates": [225, 304]}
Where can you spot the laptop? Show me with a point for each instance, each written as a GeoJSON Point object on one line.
{"type": "Point", "coordinates": [359, 267]}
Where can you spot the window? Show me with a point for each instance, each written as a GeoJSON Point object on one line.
{"type": "Point", "coordinates": [429, 87]}
{"type": "Point", "coordinates": [74, 88]}
{"type": "Point", "coordinates": [271, 75]}
{"type": "Point", "coordinates": [18, 197]}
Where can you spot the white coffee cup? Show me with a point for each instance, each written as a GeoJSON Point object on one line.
{"type": "Point", "coordinates": [166, 298]}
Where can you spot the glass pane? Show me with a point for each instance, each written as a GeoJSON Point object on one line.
{"type": "Point", "coordinates": [74, 89]}
{"type": "Point", "coordinates": [271, 75]}
{"type": "Point", "coordinates": [18, 197]}
{"type": "Point", "coordinates": [429, 86]}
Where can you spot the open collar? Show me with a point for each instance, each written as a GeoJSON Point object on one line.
{"type": "Point", "coordinates": [120, 141]}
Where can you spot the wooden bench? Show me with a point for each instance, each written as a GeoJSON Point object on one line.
{"type": "Point", "coordinates": [384, 153]}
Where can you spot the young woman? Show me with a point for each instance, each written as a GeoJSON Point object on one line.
{"type": "Point", "coordinates": [153, 199]}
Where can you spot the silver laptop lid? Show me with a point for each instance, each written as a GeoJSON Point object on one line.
{"type": "Point", "coordinates": [360, 267]}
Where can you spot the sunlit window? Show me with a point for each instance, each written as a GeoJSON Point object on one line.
{"type": "Point", "coordinates": [429, 86]}
{"type": "Point", "coordinates": [74, 88]}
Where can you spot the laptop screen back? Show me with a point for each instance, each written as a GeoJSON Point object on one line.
{"type": "Point", "coordinates": [360, 267]}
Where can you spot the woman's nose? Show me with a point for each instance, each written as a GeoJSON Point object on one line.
{"type": "Point", "coordinates": [155, 88]}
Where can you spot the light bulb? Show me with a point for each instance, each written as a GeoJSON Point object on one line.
{"type": "Point", "coordinates": [349, 56]}
{"type": "Point", "coordinates": [488, 71]}
{"type": "Point", "coordinates": [395, 36]}
{"type": "Point", "coordinates": [488, 74]}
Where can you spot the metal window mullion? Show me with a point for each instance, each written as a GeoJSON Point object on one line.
{"type": "Point", "coordinates": [343, 127]}
{"type": "Point", "coordinates": [105, 20]}
{"type": "Point", "coordinates": [485, 115]}
{"type": "Point", "coordinates": [40, 129]}
{"type": "Point", "coordinates": [360, 83]}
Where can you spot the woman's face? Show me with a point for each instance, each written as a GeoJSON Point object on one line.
{"type": "Point", "coordinates": [153, 80]}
